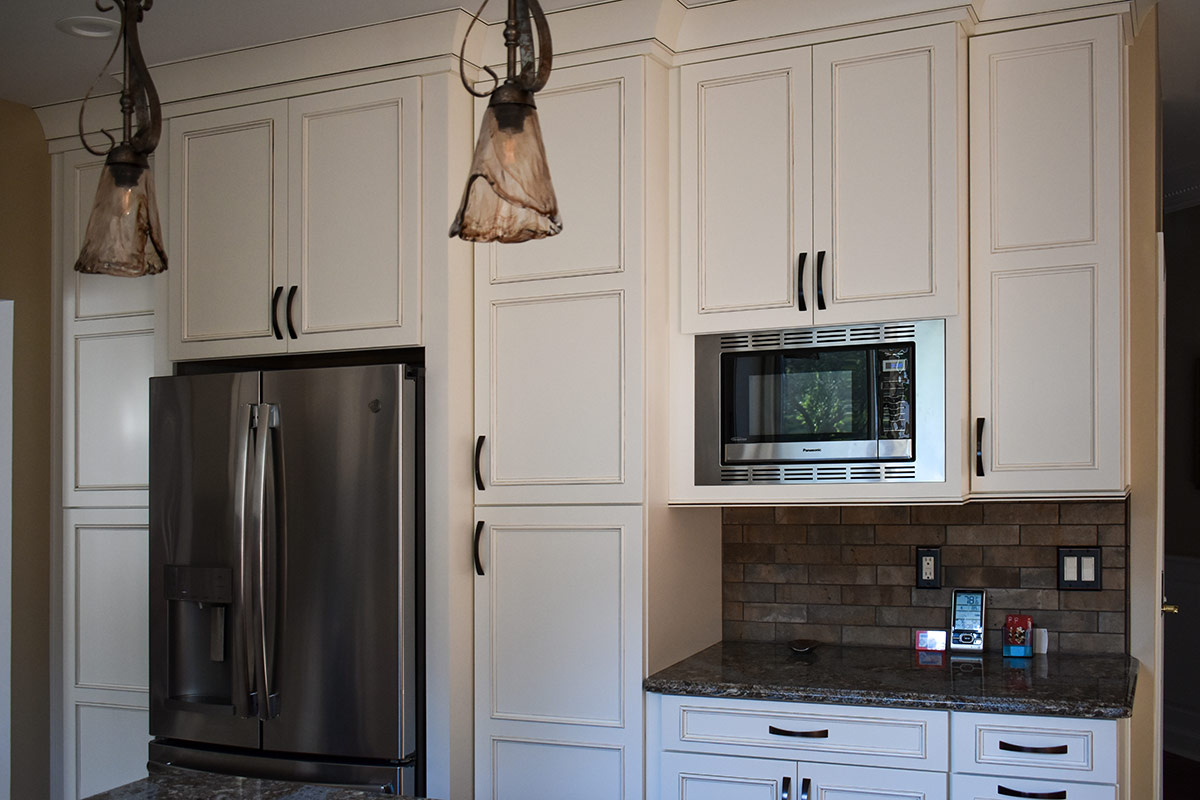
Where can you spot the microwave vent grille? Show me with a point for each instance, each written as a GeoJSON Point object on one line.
{"type": "Point", "coordinates": [808, 337]}
{"type": "Point", "coordinates": [822, 473]}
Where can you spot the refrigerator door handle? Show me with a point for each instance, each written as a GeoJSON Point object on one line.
{"type": "Point", "coordinates": [275, 607]}
{"type": "Point", "coordinates": [264, 554]}
{"type": "Point", "coordinates": [244, 697]}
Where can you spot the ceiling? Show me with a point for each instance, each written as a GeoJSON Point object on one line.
{"type": "Point", "coordinates": [39, 65]}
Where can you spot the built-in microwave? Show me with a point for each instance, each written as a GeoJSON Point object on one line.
{"type": "Point", "coordinates": [853, 403]}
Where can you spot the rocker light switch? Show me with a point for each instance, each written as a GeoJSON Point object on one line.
{"type": "Point", "coordinates": [1079, 568]}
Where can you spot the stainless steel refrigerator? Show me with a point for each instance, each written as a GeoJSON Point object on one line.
{"type": "Point", "coordinates": [283, 574]}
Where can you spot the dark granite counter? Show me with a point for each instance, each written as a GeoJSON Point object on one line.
{"type": "Point", "coordinates": [176, 783]}
{"type": "Point", "coordinates": [1057, 684]}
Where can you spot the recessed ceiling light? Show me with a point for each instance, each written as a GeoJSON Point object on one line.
{"type": "Point", "coordinates": [89, 27]}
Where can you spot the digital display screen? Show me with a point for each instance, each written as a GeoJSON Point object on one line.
{"type": "Point", "coordinates": [968, 610]}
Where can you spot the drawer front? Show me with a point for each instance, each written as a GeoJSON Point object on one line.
{"type": "Point", "coordinates": [982, 787]}
{"type": "Point", "coordinates": [1037, 747]}
{"type": "Point", "coordinates": [904, 738]}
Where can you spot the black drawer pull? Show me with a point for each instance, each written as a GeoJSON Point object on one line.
{"type": "Point", "coordinates": [805, 787]}
{"type": "Point", "coordinates": [820, 280]}
{"type": "Point", "coordinates": [478, 563]}
{"type": "Point", "coordinates": [800, 282]}
{"type": "Point", "coordinates": [1061, 794]}
{"type": "Point", "coordinates": [821, 734]}
{"type": "Point", "coordinates": [979, 447]}
{"type": "Point", "coordinates": [785, 793]}
{"type": "Point", "coordinates": [275, 312]}
{"type": "Point", "coordinates": [478, 477]}
{"type": "Point", "coordinates": [1057, 749]}
{"type": "Point", "coordinates": [291, 299]}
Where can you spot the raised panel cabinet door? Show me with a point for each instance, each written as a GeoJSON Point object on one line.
{"type": "Point", "coordinates": [354, 221]}
{"type": "Point", "coordinates": [691, 776]}
{"type": "Point", "coordinates": [889, 175]}
{"type": "Point", "coordinates": [558, 652]}
{"type": "Point", "coordinates": [227, 234]}
{"type": "Point", "coordinates": [1047, 358]}
{"type": "Point", "coordinates": [836, 782]}
{"type": "Point", "coordinates": [746, 192]}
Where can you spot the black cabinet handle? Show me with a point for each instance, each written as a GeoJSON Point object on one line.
{"type": "Point", "coordinates": [785, 791]}
{"type": "Point", "coordinates": [800, 282]}
{"type": "Point", "coordinates": [1057, 749]}
{"type": "Point", "coordinates": [820, 280]}
{"type": "Point", "coordinates": [1061, 794]}
{"type": "Point", "coordinates": [821, 734]}
{"type": "Point", "coordinates": [979, 456]}
{"type": "Point", "coordinates": [478, 449]}
{"type": "Point", "coordinates": [478, 533]}
{"type": "Point", "coordinates": [804, 788]}
{"type": "Point", "coordinates": [275, 312]}
{"type": "Point", "coordinates": [291, 298]}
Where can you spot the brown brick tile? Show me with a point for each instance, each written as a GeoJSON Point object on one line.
{"type": "Point", "coordinates": [1111, 512]}
{"type": "Point", "coordinates": [983, 534]}
{"type": "Point", "coordinates": [749, 592]}
{"type": "Point", "coordinates": [731, 534]}
{"type": "Point", "coordinates": [732, 611]}
{"type": "Point", "coordinates": [775, 612]}
{"type": "Point", "coordinates": [1074, 621]}
{"type": "Point", "coordinates": [1059, 535]}
{"type": "Point", "coordinates": [804, 593]}
{"type": "Point", "coordinates": [940, 598]}
{"type": "Point", "coordinates": [808, 515]}
{"type": "Point", "coordinates": [841, 615]}
{"type": "Point", "coordinates": [1110, 622]}
{"type": "Point", "coordinates": [965, 514]}
{"type": "Point", "coordinates": [876, 636]}
{"type": "Point", "coordinates": [738, 631]}
{"type": "Point", "coordinates": [1104, 600]}
{"type": "Point", "coordinates": [962, 556]}
{"type": "Point", "coordinates": [922, 535]}
{"type": "Point", "coordinates": [731, 573]}
{"type": "Point", "coordinates": [875, 515]}
{"type": "Point", "coordinates": [1024, 600]}
{"type": "Point", "coordinates": [786, 632]}
{"type": "Point", "coordinates": [897, 576]}
{"type": "Point", "coordinates": [1112, 578]}
{"type": "Point", "coordinates": [1113, 556]}
{"type": "Point", "coordinates": [994, 621]}
{"type": "Point", "coordinates": [844, 575]}
{"type": "Point", "coordinates": [913, 617]}
{"type": "Point", "coordinates": [982, 577]}
{"type": "Point", "coordinates": [808, 554]}
{"type": "Point", "coordinates": [841, 534]}
{"type": "Point", "coordinates": [1020, 556]}
{"type": "Point", "coordinates": [1091, 643]}
{"type": "Point", "coordinates": [1020, 513]}
{"type": "Point", "coordinates": [1039, 577]}
{"type": "Point", "coordinates": [775, 534]}
{"type": "Point", "coordinates": [742, 515]}
{"type": "Point", "coordinates": [776, 573]}
{"type": "Point", "coordinates": [876, 595]}
{"type": "Point", "coordinates": [892, 555]}
{"type": "Point", "coordinates": [1111, 535]}
{"type": "Point", "coordinates": [1051, 640]}
{"type": "Point", "coordinates": [748, 553]}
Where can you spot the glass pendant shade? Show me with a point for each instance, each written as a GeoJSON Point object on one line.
{"type": "Point", "coordinates": [508, 196]}
{"type": "Point", "coordinates": [123, 233]}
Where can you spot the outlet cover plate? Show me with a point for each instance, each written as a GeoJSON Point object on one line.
{"type": "Point", "coordinates": [929, 568]}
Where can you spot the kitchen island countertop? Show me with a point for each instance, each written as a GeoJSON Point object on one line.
{"type": "Point", "coordinates": [1056, 684]}
{"type": "Point", "coordinates": [176, 783]}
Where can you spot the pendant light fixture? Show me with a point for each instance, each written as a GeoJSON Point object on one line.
{"type": "Point", "coordinates": [123, 234]}
{"type": "Point", "coordinates": [508, 196]}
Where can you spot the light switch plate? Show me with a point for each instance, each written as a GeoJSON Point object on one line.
{"type": "Point", "coordinates": [1079, 568]}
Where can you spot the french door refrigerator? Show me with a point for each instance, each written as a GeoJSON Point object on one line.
{"type": "Point", "coordinates": [283, 574]}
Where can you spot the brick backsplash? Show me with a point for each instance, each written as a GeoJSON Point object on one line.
{"type": "Point", "coordinates": [847, 574]}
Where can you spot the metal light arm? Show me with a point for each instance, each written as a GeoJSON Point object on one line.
{"type": "Point", "coordinates": [533, 71]}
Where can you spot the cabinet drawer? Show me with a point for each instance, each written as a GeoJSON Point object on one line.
{"type": "Point", "coordinates": [982, 787]}
{"type": "Point", "coordinates": [1037, 747]}
{"type": "Point", "coordinates": [904, 738]}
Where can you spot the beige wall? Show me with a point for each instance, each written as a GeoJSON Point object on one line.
{"type": "Point", "coordinates": [25, 279]}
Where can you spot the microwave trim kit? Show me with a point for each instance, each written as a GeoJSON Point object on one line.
{"type": "Point", "coordinates": [858, 403]}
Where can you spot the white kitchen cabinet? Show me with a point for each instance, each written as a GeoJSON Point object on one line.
{"type": "Point", "coordinates": [1047, 264]}
{"type": "Point", "coordinates": [558, 652]}
{"type": "Point", "coordinates": [295, 224]}
{"type": "Point", "coordinates": [823, 185]}
{"type": "Point", "coordinates": [558, 322]}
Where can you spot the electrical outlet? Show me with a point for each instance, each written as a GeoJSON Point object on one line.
{"type": "Point", "coordinates": [1079, 568]}
{"type": "Point", "coordinates": [929, 568]}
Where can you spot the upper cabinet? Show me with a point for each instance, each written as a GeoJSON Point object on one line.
{"type": "Point", "coordinates": [295, 224]}
{"type": "Point", "coordinates": [1047, 303]}
{"type": "Point", "coordinates": [823, 185]}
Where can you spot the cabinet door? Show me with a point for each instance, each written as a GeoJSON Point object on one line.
{"type": "Point", "coordinates": [690, 776]}
{"type": "Point", "coordinates": [1046, 260]}
{"type": "Point", "coordinates": [889, 209]}
{"type": "Point", "coordinates": [227, 237]}
{"type": "Point", "coordinates": [746, 192]}
{"type": "Point", "coordinates": [354, 219]}
{"type": "Point", "coordinates": [558, 323]}
{"type": "Point", "coordinates": [558, 653]}
{"type": "Point", "coordinates": [835, 782]}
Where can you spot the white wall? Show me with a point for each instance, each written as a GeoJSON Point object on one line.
{"type": "Point", "coordinates": [6, 355]}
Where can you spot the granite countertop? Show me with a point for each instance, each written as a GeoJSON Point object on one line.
{"type": "Point", "coordinates": [176, 783]}
{"type": "Point", "coordinates": [1056, 684]}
